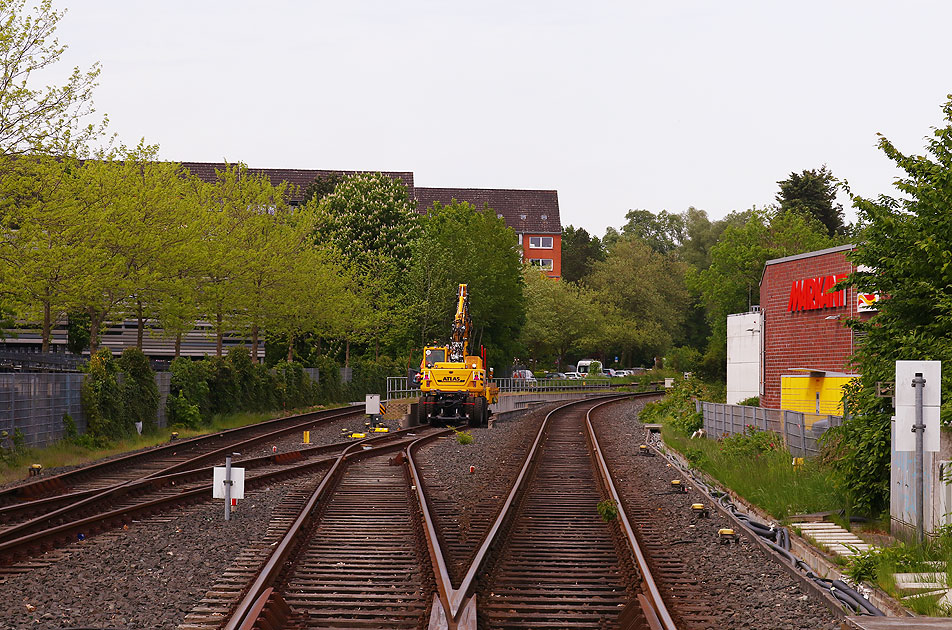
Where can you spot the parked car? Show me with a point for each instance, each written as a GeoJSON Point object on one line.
{"type": "Point", "coordinates": [525, 375]}
{"type": "Point", "coordinates": [610, 373]}
{"type": "Point", "coordinates": [573, 376]}
{"type": "Point", "coordinates": [551, 376]}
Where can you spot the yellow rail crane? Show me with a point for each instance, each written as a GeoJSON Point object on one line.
{"type": "Point", "coordinates": [455, 385]}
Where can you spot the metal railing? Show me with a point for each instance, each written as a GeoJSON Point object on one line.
{"type": "Point", "coordinates": [402, 387]}
{"type": "Point", "coordinates": [799, 431]}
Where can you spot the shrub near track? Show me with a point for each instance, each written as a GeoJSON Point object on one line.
{"type": "Point", "coordinates": [755, 464]}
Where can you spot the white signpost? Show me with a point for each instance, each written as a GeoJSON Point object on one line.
{"type": "Point", "coordinates": [372, 402]}
{"type": "Point", "coordinates": [228, 483]}
{"type": "Point", "coordinates": [918, 396]}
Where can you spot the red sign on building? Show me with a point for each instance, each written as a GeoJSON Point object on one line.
{"type": "Point", "coordinates": [815, 293]}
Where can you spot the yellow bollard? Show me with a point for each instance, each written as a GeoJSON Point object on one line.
{"type": "Point", "coordinates": [307, 437]}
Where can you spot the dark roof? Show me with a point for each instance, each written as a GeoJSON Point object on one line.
{"type": "Point", "coordinates": [525, 211]}
{"type": "Point", "coordinates": [298, 177]}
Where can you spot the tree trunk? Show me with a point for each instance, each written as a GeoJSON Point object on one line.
{"type": "Point", "coordinates": [93, 331]}
{"type": "Point", "coordinates": [178, 345]}
{"type": "Point", "coordinates": [46, 327]}
{"type": "Point", "coordinates": [254, 343]}
{"type": "Point", "coordinates": [218, 335]}
{"type": "Point", "coordinates": [141, 324]}
{"type": "Point", "coordinates": [347, 354]}
{"type": "Point", "coordinates": [376, 349]}
{"type": "Point", "coordinates": [290, 348]}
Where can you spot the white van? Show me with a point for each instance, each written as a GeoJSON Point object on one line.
{"type": "Point", "coordinates": [584, 367]}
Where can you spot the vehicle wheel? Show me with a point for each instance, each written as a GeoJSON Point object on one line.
{"type": "Point", "coordinates": [478, 416]}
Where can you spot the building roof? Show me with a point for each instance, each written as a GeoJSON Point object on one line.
{"type": "Point", "coordinates": [820, 252]}
{"type": "Point", "coordinates": [525, 211]}
{"type": "Point", "coordinates": [300, 178]}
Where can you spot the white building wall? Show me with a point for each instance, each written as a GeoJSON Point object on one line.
{"type": "Point", "coordinates": [744, 355]}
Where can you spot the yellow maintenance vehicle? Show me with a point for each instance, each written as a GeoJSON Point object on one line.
{"type": "Point", "coordinates": [454, 384]}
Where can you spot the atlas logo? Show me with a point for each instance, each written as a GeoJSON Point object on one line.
{"type": "Point", "coordinates": [452, 379]}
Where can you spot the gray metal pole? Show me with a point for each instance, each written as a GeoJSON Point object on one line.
{"type": "Point", "coordinates": [228, 487]}
{"type": "Point", "coordinates": [919, 429]}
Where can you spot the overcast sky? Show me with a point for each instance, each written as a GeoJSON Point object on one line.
{"type": "Point", "coordinates": [617, 105]}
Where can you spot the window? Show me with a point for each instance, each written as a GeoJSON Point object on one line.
{"type": "Point", "coordinates": [540, 242]}
{"type": "Point", "coordinates": [545, 264]}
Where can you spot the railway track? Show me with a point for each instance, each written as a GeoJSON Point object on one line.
{"type": "Point", "coordinates": [548, 560]}
{"type": "Point", "coordinates": [355, 557]}
{"type": "Point", "coordinates": [176, 456]}
{"type": "Point", "coordinates": [94, 512]}
{"type": "Point", "coordinates": [365, 550]}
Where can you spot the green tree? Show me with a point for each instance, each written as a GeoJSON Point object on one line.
{"type": "Point", "coordinates": [662, 232]}
{"type": "Point", "coordinates": [732, 282]}
{"type": "Point", "coordinates": [813, 192]}
{"type": "Point", "coordinates": [369, 214]}
{"type": "Point", "coordinates": [37, 119]}
{"type": "Point", "coordinates": [242, 208]}
{"type": "Point", "coordinates": [462, 244]}
{"type": "Point", "coordinates": [579, 252]}
{"type": "Point", "coordinates": [42, 244]}
{"type": "Point", "coordinates": [647, 293]}
{"type": "Point", "coordinates": [559, 317]}
{"type": "Point", "coordinates": [322, 186]}
{"type": "Point", "coordinates": [906, 247]}
{"type": "Point", "coordinates": [372, 221]}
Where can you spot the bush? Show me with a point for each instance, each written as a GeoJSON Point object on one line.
{"type": "Point", "coordinates": [188, 389]}
{"type": "Point", "coordinates": [140, 394]}
{"type": "Point", "coordinates": [608, 510]}
{"type": "Point", "coordinates": [223, 396]}
{"type": "Point", "coordinates": [752, 443]}
{"type": "Point", "coordinates": [753, 401]}
{"type": "Point", "coordinates": [70, 431]}
{"type": "Point", "coordinates": [101, 398]}
{"type": "Point", "coordinates": [183, 413]}
{"type": "Point", "coordinates": [294, 386]}
{"type": "Point", "coordinates": [464, 437]}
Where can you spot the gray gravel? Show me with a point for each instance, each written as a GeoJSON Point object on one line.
{"type": "Point", "coordinates": [745, 588]}
{"type": "Point", "coordinates": [149, 576]}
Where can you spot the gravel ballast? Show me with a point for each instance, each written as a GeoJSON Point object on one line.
{"type": "Point", "coordinates": [744, 586]}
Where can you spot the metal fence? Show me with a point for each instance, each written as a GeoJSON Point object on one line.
{"type": "Point", "coordinates": [35, 405]}
{"type": "Point", "coordinates": [402, 387]}
{"type": "Point", "coordinates": [799, 431]}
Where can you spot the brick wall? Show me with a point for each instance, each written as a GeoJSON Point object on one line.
{"type": "Point", "coordinates": [803, 338]}
{"type": "Point", "coordinates": [555, 253]}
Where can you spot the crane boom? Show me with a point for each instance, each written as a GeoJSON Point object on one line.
{"type": "Point", "coordinates": [455, 385]}
{"type": "Point", "coordinates": [462, 323]}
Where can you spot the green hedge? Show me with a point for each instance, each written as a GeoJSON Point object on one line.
{"type": "Point", "coordinates": [117, 394]}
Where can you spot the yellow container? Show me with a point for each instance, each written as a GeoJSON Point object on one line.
{"type": "Point", "coordinates": [812, 394]}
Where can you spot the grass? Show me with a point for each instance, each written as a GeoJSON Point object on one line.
{"type": "Point", "coordinates": [64, 453]}
{"type": "Point", "coordinates": [767, 480]}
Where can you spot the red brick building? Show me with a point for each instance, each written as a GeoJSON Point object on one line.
{"type": "Point", "coordinates": [533, 214]}
{"type": "Point", "coordinates": [803, 320]}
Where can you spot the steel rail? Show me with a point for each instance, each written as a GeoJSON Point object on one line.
{"type": "Point", "coordinates": [35, 488]}
{"type": "Point", "coordinates": [652, 603]}
{"type": "Point", "coordinates": [89, 498]}
{"type": "Point", "coordinates": [255, 599]}
{"type": "Point", "coordinates": [170, 473]}
{"type": "Point", "coordinates": [45, 539]}
{"type": "Point", "coordinates": [454, 600]}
